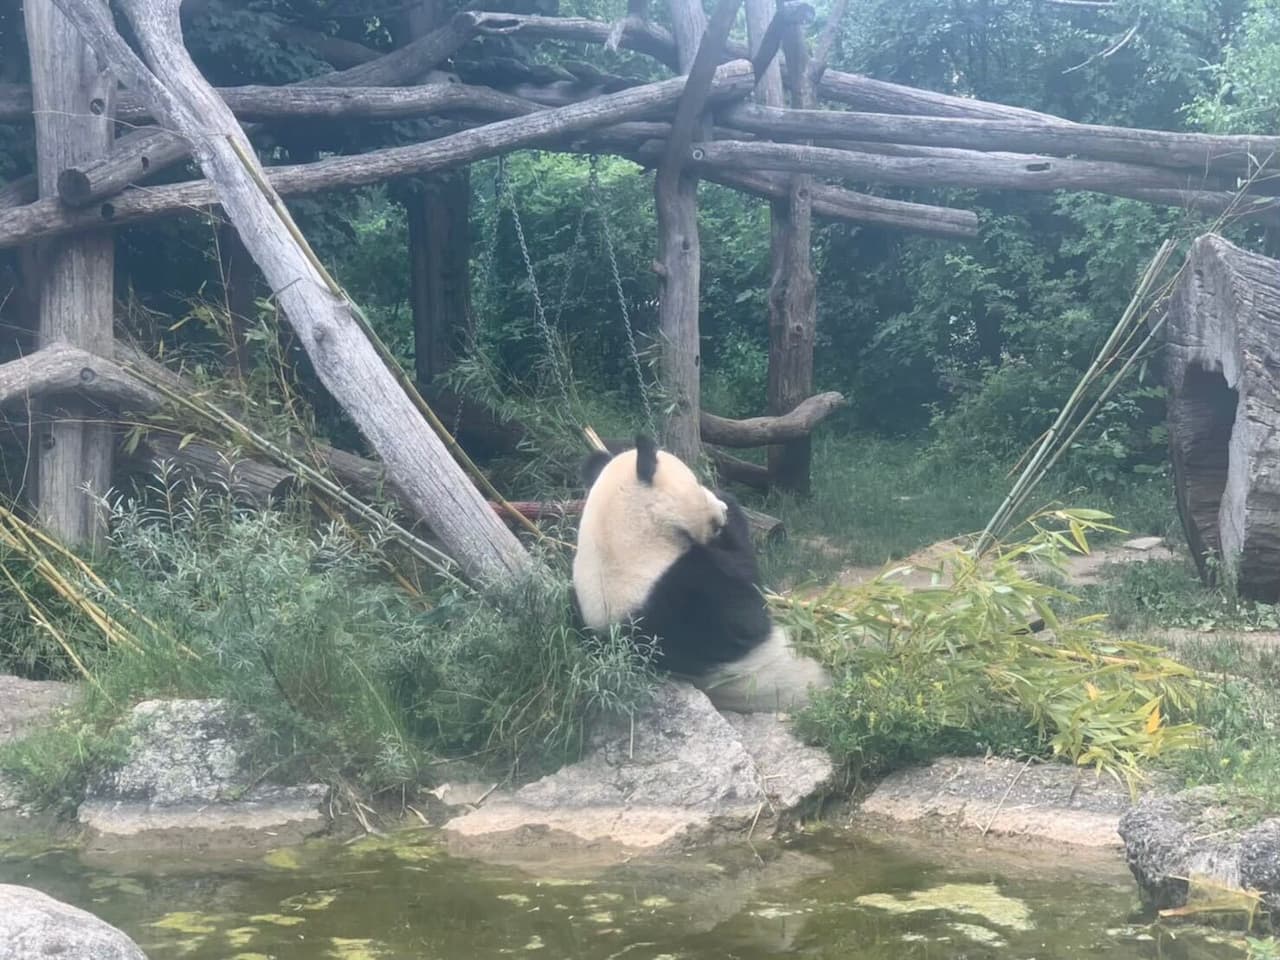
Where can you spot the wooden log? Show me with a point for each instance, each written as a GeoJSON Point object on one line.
{"type": "Point", "coordinates": [792, 294]}
{"type": "Point", "coordinates": [157, 148]}
{"type": "Point", "coordinates": [244, 478]}
{"type": "Point", "coordinates": [41, 219]}
{"type": "Point", "coordinates": [880, 96]}
{"type": "Point", "coordinates": [73, 104]}
{"type": "Point", "coordinates": [798, 423]}
{"type": "Point", "coordinates": [988, 171]}
{"type": "Point", "coordinates": [789, 14]}
{"type": "Point", "coordinates": [345, 361]}
{"type": "Point", "coordinates": [1222, 327]}
{"type": "Point", "coordinates": [679, 260]}
{"type": "Point", "coordinates": [643, 37]}
{"type": "Point", "coordinates": [60, 368]}
{"type": "Point", "coordinates": [1237, 155]}
{"type": "Point", "coordinates": [736, 470]}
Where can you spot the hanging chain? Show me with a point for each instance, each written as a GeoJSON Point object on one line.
{"type": "Point", "coordinates": [593, 182]}
{"type": "Point", "coordinates": [539, 313]}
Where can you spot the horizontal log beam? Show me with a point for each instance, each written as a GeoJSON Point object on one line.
{"type": "Point", "coordinates": [762, 431]}
{"type": "Point", "coordinates": [736, 470]}
{"type": "Point", "coordinates": [50, 218]}
{"type": "Point", "coordinates": [986, 171]}
{"type": "Point", "coordinates": [1239, 154]}
{"type": "Point", "coordinates": [60, 368]}
{"type": "Point", "coordinates": [637, 35]}
{"type": "Point", "coordinates": [764, 527]}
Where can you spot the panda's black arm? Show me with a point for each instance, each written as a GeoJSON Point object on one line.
{"type": "Point", "coordinates": [732, 551]}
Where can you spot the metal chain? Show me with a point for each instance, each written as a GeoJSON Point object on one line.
{"type": "Point", "coordinates": [539, 314]}
{"type": "Point", "coordinates": [602, 211]}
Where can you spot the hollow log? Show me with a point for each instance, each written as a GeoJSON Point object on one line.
{"type": "Point", "coordinates": [40, 219]}
{"type": "Point", "coordinates": [679, 259]}
{"type": "Point", "coordinates": [345, 361]}
{"type": "Point", "coordinates": [1238, 155]}
{"type": "Point", "coordinates": [163, 148]}
{"type": "Point", "coordinates": [74, 106]}
{"type": "Point", "coordinates": [798, 423]}
{"type": "Point", "coordinates": [1222, 358]}
{"type": "Point", "coordinates": [989, 171]}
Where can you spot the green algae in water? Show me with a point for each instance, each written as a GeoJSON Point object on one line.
{"type": "Point", "coordinates": [983, 899]}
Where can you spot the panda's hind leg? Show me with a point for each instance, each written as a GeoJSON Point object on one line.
{"type": "Point", "coordinates": [772, 677]}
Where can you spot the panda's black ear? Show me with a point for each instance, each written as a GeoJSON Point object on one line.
{"type": "Point", "coordinates": [592, 466]}
{"type": "Point", "coordinates": [646, 458]}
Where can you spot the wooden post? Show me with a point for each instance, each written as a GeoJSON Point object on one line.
{"type": "Point", "coordinates": [346, 362]}
{"type": "Point", "coordinates": [74, 96]}
{"type": "Point", "coordinates": [437, 212]}
{"type": "Point", "coordinates": [792, 292]}
{"type": "Point", "coordinates": [700, 47]}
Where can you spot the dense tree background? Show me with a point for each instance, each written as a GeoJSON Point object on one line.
{"type": "Point", "coordinates": [975, 343]}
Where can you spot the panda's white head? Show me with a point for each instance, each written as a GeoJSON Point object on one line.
{"type": "Point", "coordinates": [644, 509]}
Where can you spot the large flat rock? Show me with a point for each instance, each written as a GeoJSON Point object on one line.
{"type": "Point", "coordinates": [682, 774]}
{"type": "Point", "coordinates": [187, 784]}
{"type": "Point", "coordinates": [1049, 802]}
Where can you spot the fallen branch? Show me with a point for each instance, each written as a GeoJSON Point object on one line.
{"type": "Point", "coordinates": [59, 368]}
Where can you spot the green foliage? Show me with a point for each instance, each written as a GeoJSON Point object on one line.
{"type": "Point", "coordinates": [1264, 948]}
{"type": "Point", "coordinates": [1141, 597]}
{"type": "Point", "coordinates": [921, 672]}
{"type": "Point", "coordinates": [1246, 95]}
{"type": "Point", "coordinates": [353, 678]}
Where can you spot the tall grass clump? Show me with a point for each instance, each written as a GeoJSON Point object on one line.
{"type": "Point", "coordinates": [954, 668]}
{"type": "Point", "coordinates": [353, 677]}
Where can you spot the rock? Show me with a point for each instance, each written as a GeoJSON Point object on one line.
{"type": "Point", "coordinates": [1051, 802]}
{"type": "Point", "coordinates": [25, 705]}
{"type": "Point", "coordinates": [1144, 544]}
{"type": "Point", "coordinates": [1193, 835]}
{"type": "Point", "coordinates": [187, 783]}
{"type": "Point", "coordinates": [682, 775]}
{"type": "Point", "coordinates": [33, 924]}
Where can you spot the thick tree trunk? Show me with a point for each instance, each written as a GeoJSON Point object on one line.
{"type": "Point", "coordinates": [344, 359]}
{"type": "Point", "coordinates": [793, 294]}
{"type": "Point", "coordinates": [438, 211]}
{"type": "Point", "coordinates": [73, 99]}
{"type": "Point", "coordinates": [679, 252]}
{"type": "Point", "coordinates": [1223, 373]}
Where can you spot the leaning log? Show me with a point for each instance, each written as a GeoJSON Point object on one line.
{"type": "Point", "coordinates": [988, 171]}
{"type": "Point", "coordinates": [1222, 359]}
{"type": "Point", "coordinates": [41, 219]}
{"type": "Point", "coordinates": [74, 104]}
{"type": "Point", "coordinates": [345, 361]}
{"type": "Point", "coordinates": [1236, 155]}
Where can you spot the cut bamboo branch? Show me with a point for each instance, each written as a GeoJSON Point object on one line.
{"type": "Point", "coordinates": [49, 218]}
{"type": "Point", "coordinates": [344, 359]}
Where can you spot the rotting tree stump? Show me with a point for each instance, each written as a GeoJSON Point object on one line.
{"type": "Point", "coordinates": [1223, 354]}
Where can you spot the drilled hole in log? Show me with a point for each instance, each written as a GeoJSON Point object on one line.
{"type": "Point", "coordinates": [146, 162]}
{"type": "Point", "coordinates": [107, 211]}
{"type": "Point", "coordinates": [96, 106]}
{"type": "Point", "coordinates": [1038, 167]}
{"type": "Point", "coordinates": [1206, 414]}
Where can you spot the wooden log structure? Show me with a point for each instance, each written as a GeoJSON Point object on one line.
{"type": "Point", "coordinates": [1222, 331]}
{"type": "Point", "coordinates": [345, 361]}
{"type": "Point", "coordinates": [74, 103]}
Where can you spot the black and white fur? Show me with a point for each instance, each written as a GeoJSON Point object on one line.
{"type": "Point", "coordinates": [660, 552]}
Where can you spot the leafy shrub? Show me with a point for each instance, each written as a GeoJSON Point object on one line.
{"type": "Point", "coordinates": [354, 678]}
{"type": "Point", "coordinates": [954, 668]}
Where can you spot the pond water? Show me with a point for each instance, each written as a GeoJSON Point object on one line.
{"type": "Point", "coordinates": [832, 895]}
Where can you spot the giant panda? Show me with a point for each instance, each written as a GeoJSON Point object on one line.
{"type": "Point", "coordinates": [661, 554]}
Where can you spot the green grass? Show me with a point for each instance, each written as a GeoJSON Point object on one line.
{"type": "Point", "coordinates": [876, 500]}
